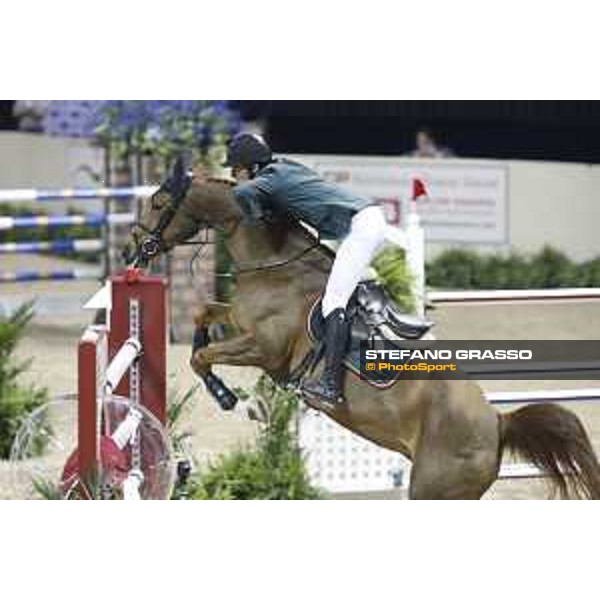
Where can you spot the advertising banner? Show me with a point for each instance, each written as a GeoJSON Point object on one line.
{"type": "Point", "coordinates": [467, 200]}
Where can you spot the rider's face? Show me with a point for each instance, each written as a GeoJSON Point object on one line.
{"type": "Point", "coordinates": [240, 173]}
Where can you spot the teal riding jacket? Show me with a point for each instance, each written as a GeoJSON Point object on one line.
{"type": "Point", "coordinates": [286, 186]}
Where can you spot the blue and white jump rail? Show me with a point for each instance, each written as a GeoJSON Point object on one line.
{"type": "Point", "coordinates": [63, 246]}
{"type": "Point", "coordinates": [54, 246]}
{"type": "Point", "coordinates": [91, 220]}
{"type": "Point", "coordinates": [22, 275]}
{"type": "Point", "coordinates": [118, 193]}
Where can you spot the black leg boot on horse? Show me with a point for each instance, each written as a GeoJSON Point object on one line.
{"type": "Point", "coordinates": [214, 384]}
{"type": "Point", "coordinates": [328, 388]}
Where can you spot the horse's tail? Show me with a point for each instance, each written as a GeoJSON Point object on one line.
{"type": "Point", "coordinates": [553, 439]}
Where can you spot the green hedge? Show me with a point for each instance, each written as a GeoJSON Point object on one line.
{"type": "Point", "coordinates": [16, 401]}
{"type": "Point", "coordinates": [273, 469]}
{"type": "Point", "coordinates": [548, 268]}
{"type": "Point", "coordinates": [392, 270]}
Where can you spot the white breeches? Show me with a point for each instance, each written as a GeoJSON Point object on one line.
{"type": "Point", "coordinates": [367, 235]}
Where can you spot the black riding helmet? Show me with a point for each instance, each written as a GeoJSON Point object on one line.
{"type": "Point", "coordinates": [248, 150]}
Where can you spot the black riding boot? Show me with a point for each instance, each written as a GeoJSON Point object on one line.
{"type": "Point", "coordinates": [328, 388]}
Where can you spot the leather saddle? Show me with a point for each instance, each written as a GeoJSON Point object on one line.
{"type": "Point", "coordinates": [374, 317]}
{"type": "Point", "coordinates": [376, 309]}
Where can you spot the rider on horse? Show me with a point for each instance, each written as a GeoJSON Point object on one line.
{"type": "Point", "coordinates": [265, 183]}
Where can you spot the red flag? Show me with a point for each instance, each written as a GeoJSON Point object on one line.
{"type": "Point", "coordinates": [419, 189]}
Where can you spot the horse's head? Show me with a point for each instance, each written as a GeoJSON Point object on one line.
{"type": "Point", "coordinates": [180, 207]}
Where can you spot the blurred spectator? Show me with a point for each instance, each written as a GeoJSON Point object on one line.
{"type": "Point", "coordinates": [30, 114]}
{"type": "Point", "coordinates": [427, 146]}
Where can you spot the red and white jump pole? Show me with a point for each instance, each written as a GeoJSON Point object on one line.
{"type": "Point", "coordinates": [127, 357]}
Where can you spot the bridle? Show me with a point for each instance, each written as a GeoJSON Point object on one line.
{"type": "Point", "coordinates": [152, 244]}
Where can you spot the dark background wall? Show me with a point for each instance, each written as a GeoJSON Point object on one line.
{"type": "Point", "coordinates": [538, 130]}
{"type": "Point", "coordinates": [541, 130]}
{"type": "Point", "coordinates": [6, 120]}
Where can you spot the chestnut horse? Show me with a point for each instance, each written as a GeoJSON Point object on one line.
{"type": "Point", "coordinates": [453, 436]}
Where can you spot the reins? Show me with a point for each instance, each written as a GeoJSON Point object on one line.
{"type": "Point", "coordinates": [277, 264]}
{"type": "Point", "coordinates": [243, 270]}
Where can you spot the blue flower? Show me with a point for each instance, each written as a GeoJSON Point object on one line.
{"type": "Point", "coordinates": [165, 127]}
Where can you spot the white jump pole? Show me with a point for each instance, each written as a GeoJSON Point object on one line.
{"type": "Point", "coordinates": [127, 429]}
{"type": "Point", "coordinates": [530, 396]}
{"type": "Point", "coordinates": [513, 296]}
{"type": "Point", "coordinates": [126, 432]}
{"type": "Point", "coordinates": [415, 251]}
{"type": "Point", "coordinates": [121, 363]}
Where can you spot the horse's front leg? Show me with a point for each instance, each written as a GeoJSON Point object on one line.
{"type": "Point", "coordinates": [214, 313]}
{"type": "Point", "coordinates": [209, 314]}
{"type": "Point", "coordinates": [241, 350]}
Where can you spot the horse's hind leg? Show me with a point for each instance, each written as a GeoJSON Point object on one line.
{"type": "Point", "coordinates": [458, 462]}
{"type": "Point", "coordinates": [452, 477]}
